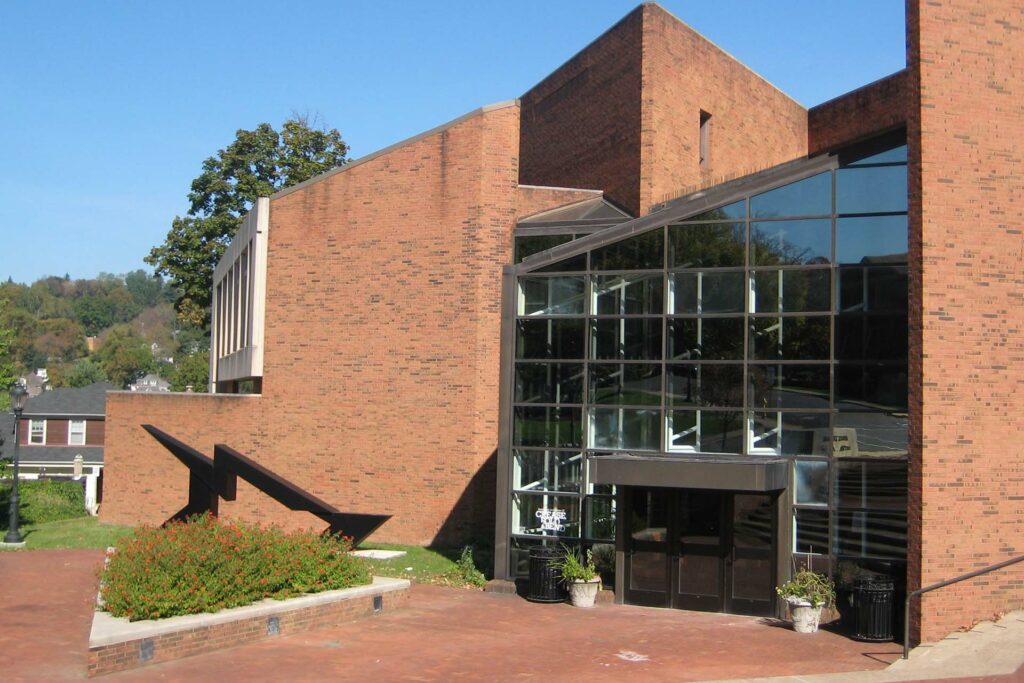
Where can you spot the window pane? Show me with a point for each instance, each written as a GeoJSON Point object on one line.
{"type": "Point", "coordinates": [734, 210]}
{"type": "Point", "coordinates": [705, 385]}
{"type": "Point", "coordinates": [714, 245]}
{"type": "Point", "coordinates": [573, 263]}
{"type": "Point", "coordinates": [528, 246]}
{"type": "Point", "coordinates": [811, 532]}
{"type": "Point", "coordinates": [551, 295]}
{"type": "Point", "coordinates": [875, 289]}
{"type": "Point", "coordinates": [626, 338]}
{"type": "Point", "coordinates": [642, 252]}
{"type": "Point", "coordinates": [545, 515]}
{"type": "Point", "coordinates": [707, 431]}
{"type": "Point", "coordinates": [791, 433]}
{"type": "Point", "coordinates": [623, 429]}
{"type": "Point", "coordinates": [557, 338]}
{"type": "Point", "coordinates": [795, 338]}
{"type": "Point", "coordinates": [896, 154]}
{"type": "Point", "coordinates": [792, 243]}
{"type": "Point", "coordinates": [871, 337]}
{"type": "Point", "coordinates": [878, 485]}
{"type": "Point", "coordinates": [547, 471]}
{"type": "Point", "coordinates": [714, 292]}
{"type": "Point", "coordinates": [808, 197]}
{"type": "Point", "coordinates": [871, 240]}
{"type": "Point", "coordinates": [811, 482]}
{"type": "Point", "coordinates": [601, 520]}
{"type": "Point", "coordinates": [628, 294]}
{"type": "Point", "coordinates": [869, 433]}
{"type": "Point", "coordinates": [76, 433]}
{"type": "Point", "coordinates": [871, 190]}
{"type": "Point", "coordinates": [877, 534]}
{"type": "Point", "coordinates": [706, 338]}
{"type": "Point", "coordinates": [549, 383]}
{"type": "Point", "coordinates": [628, 384]}
{"type": "Point", "coordinates": [547, 427]}
{"type": "Point", "coordinates": [37, 431]}
{"type": "Point", "coordinates": [881, 385]}
{"type": "Point", "coordinates": [801, 291]}
{"type": "Point", "coordinates": [774, 387]}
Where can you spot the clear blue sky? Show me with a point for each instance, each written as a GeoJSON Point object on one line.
{"type": "Point", "coordinates": [107, 109]}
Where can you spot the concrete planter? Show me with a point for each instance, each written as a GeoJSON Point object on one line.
{"type": "Point", "coordinates": [584, 593]}
{"type": "Point", "coordinates": [806, 616]}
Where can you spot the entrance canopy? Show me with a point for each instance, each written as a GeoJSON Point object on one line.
{"type": "Point", "coordinates": [628, 469]}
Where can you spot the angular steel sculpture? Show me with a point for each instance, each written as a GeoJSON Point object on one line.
{"type": "Point", "coordinates": [211, 480]}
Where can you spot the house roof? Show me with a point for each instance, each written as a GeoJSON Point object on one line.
{"type": "Point", "coordinates": [31, 455]}
{"type": "Point", "coordinates": [89, 401]}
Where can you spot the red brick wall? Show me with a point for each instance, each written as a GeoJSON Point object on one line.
{"type": "Point", "coordinates": [753, 125]}
{"type": "Point", "coordinates": [967, 344]}
{"type": "Point", "coordinates": [581, 125]}
{"type": "Point", "coordinates": [532, 200]}
{"type": "Point", "coordinates": [381, 351]}
{"type": "Point", "coordinates": [860, 114]}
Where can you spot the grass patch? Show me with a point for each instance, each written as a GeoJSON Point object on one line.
{"type": "Point", "coordinates": [439, 566]}
{"type": "Point", "coordinates": [83, 532]}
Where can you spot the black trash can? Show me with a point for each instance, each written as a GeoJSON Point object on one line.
{"type": "Point", "coordinates": [874, 599]}
{"type": "Point", "coordinates": [545, 579]}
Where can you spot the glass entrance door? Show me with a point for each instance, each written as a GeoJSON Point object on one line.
{"type": "Point", "coordinates": [703, 550]}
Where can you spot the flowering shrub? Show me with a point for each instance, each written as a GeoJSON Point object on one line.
{"type": "Point", "coordinates": [205, 565]}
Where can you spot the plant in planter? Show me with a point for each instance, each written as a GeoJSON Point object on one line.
{"type": "Point", "coordinates": [807, 593]}
{"type": "Point", "coordinates": [579, 575]}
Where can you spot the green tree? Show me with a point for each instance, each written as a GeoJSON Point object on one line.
{"type": "Point", "coordinates": [256, 164]}
{"type": "Point", "coordinates": [83, 373]}
{"type": "Point", "coordinates": [192, 370]}
{"type": "Point", "coordinates": [146, 289]}
{"type": "Point", "coordinates": [7, 374]}
{"type": "Point", "coordinates": [60, 339]}
{"type": "Point", "coordinates": [124, 356]}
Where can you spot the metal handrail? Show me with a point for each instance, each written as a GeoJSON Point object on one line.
{"type": "Point", "coordinates": [943, 584]}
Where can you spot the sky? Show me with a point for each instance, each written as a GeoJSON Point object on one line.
{"type": "Point", "coordinates": [108, 108]}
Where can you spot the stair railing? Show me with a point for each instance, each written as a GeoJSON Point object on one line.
{"type": "Point", "coordinates": [943, 584]}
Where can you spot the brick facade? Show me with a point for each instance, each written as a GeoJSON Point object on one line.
{"type": "Point", "coordinates": [967, 338]}
{"type": "Point", "coordinates": [860, 114]}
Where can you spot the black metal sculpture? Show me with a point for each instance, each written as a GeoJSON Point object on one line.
{"type": "Point", "coordinates": [211, 480]}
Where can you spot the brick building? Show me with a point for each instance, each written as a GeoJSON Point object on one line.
{"type": "Point", "coordinates": [731, 334]}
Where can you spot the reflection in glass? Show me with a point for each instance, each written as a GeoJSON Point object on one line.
{"type": "Point", "coordinates": [871, 190]}
{"type": "Point", "coordinates": [811, 532]}
{"type": "Point", "coordinates": [793, 387]}
{"type": "Point", "coordinates": [625, 429]}
{"type": "Point", "coordinates": [879, 534]}
{"type": "Point", "coordinates": [628, 294]}
{"type": "Point", "coordinates": [642, 252]}
{"type": "Point", "coordinates": [734, 210]}
{"type": "Point", "coordinates": [808, 197]}
{"type": "Point", "coordinates": [551, 338]}
{"type": "Point", "coordinates": [572, 263]}
{"type": "Point", "coordinates": [626, 339]}
{"type": "Point", "coordinates": [792, 291]}
{"type": "Point", "coordinates": [790, 433]}
{"type": "Point", "coordinates": [547, 515]}
{"type": "Point", "coordinates": [871, 240]}
{"type": "Point", "coordinates": [647, 571]}
{"type": "Point", "coordinates": [871, 337]}
{"type": "Point", "coordinates": [709, 385]}
{"type": "Point", "coordinates": [714, 292]}
{"type": "Point", "coordinates": [793, 243]}
{"type": "Point", "coordinates": [791, 338]}
{"type": "Point", "coordinates": [547, 427]}
{"type": "Point", "coordinates": [547, 470]}
{"type": "Point", "coordinates": [707, 245]}
{"type": "Point", "coordinates": [882, 386]}
{"type": "Point", "coordinates": [706, 431]}
{"type": "Point", "coordinates": [549, 383]}
{"type": "Point", "coordinates": [528, 246]}
{"type": "Point", "coordinates": [551, 295]}
{"type": "Point", "coordinates": [706, 338]}
{"type": "Point", "coordinates": [811, 482]}
{"type": "Point", "coordinates": [875, 433]}
{"type": "Point", "coordinates": [874, 484]}
{"type": "Point", "coordinates": [626, 384]}
{"type": "Point", "coordinates": [893, 155]}
{"type": "Point", "coordinates": [601, 520]}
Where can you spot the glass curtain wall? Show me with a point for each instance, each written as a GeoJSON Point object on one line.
{"type": "Point", "coordinates": [774, 325]}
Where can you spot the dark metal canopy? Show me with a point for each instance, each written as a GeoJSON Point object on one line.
{"type": "Point", "coordinates": [627, 469]}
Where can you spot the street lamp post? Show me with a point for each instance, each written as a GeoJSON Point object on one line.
{"type": "Point", "coordinates": [18, 397]}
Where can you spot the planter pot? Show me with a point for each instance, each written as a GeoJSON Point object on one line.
{"type": "Point", "coordinates": [584, 593]}
{"type": "Point", "coordinates": [806, 616]}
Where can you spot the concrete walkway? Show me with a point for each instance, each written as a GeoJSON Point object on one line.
{"type": "Point", "coordinates": [452, 635]}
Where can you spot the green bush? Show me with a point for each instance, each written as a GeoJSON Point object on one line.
{"type": "Point", "coordinates": [465, 571]}
{"type": "Point", "coordinates": [205, 565]}
{"type": "Point", "coordinates": [44, 501]}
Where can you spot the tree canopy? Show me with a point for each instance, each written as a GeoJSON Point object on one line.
{"type": "Point", "coordinates": [256, 164]}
